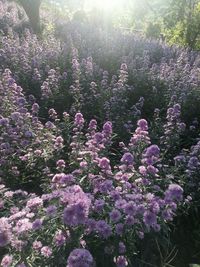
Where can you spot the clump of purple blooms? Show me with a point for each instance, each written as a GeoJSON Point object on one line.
{"type": "Point", "coordinates": [91, 199]}
{"type": "Point", "coordinates": [94, 154]}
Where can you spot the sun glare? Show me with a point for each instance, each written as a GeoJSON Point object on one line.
{"type": "Point", "coordinates": [105, 5]}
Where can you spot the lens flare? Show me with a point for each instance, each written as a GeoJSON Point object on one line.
{"type": "Point", "coordinates": [105, 5]}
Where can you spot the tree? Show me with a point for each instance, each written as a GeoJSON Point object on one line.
{"type": "Point", "coordinates": [32, 9]}
{"type": "Point", "coordinates": [182, 22]}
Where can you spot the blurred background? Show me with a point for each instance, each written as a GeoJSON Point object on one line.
{"type": "Point", "coordinates": [175, 21]}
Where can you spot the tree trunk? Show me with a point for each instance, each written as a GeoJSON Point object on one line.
{"type": "Point", "coordinates": [32, 9]}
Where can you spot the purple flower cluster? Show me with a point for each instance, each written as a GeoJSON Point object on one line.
{"type": "Point", "coordinates": [80, 258]}
{"type": "Point", "coordinates": [141, 134]}
{"type": "Point", "coordinates": [187, 163]}
{"type": "Point", "coordinates": [94, 199]}
{"type": "Point", "coordinates": [173, 127]}
{"type": "Point", "coordinates": [88, 193]}
{"type": "Point", "coordinates": [78, 205]}
{"type": "Point", "coordinates": [23, 137]}
{"type": "Point", "coordinates": [5, 232]}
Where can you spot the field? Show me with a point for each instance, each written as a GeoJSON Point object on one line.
{"type": "Point", "coordinates": [99, 146]}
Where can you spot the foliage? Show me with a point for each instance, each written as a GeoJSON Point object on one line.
{"type": "Point", "coordinates": [99, 144]}
{"type": "Point", "coordinates": [182, 23]}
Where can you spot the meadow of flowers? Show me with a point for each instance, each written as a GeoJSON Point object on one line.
{"type": "Point", "coordinates": [99, 147]}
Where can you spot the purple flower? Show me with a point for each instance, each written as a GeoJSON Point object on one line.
{"type": "Point", "coordinates": [107, 128]}
{"type": "Point", "coordinates": [142, 170]}
{"type": "Point", "coordinates": [174, 192]}
{"type": "Point", "coordinates": [75, 214]}
{"type": "Point", "coordinates": [140, 235]}
{"type": "Point", "coordinates": [122, 248]}
{"type": "Point", "coordinates": [65, 115]}
{"type": "Point", "coordinates": [129, 220]}
{"type": "Point", "coordinates": [15, 116]}
{"type": "Point", "coordinates": [124, 67]}
{"type": "Point", "coordinates": [49, 125]}
{"type": "Point", "coordinates": [130, 208]}
{"type": "Point", "coordinates": [182, 126]}
{"type": "Point", "coordinates": [104, 163]}
{"type": "Point", "coordinates": [80, 258]}
{"type": "Point", "coordinates": [152, 150]}
{"type": "Point", "coordinates": [37, 224]}
{"type": "Point", "coordinates": [4, 121]}
{"type": "Point", "coordinates": [22, 226]}
{"type": "Point", "coordinates": [177, 107]}
{"type": "Point", "coordinates": [155, 207]}
{"type": "Point", "coordinates": [106, 186]}
{"type": "Point", "coordinates": [120, 204]}
{"type": "Point", "coordinates": [119, 228]}
{"type": "Point", "coordinates": [59, 142]}
{"type": "Point", "coordinates": [51, 210]}
{"type": "Point", "coordinates": [62, 178]}
{"type": "Point", "coordinates": [5, 232]}
{"type": "Point", "coordinates": [79, 120]}
{"type": "Point", "coordinates": [143, 124]}
{"type": "Point", "coordinates": [28, 134]}
{"type": "Point", "coordinates": [35, 108]}
{"type": "Point", "coordinates": [18, 244]}
{"type": "Point", "coordinates": [91, 225]}
{"type": "Point", "coordinates": [34, 203]}
{"type": "Point", "coordinates": [149, 218]}
{"type": "Point", "coordinates": [52, 114]}
{"type": "Point", "coordinates": [98, 137]}
{"type": "Point", "coordinates": [99, 205]}
{"type": "Point", "coordinates": [38, 152]}
{"type": "Point", "coordinates": [193, 163]}
{"type": "Point", "coordinates": [21, 101]}
{"type": "Point", "coordinates": [6, 261]}
{"type": "Point", "coordinates": [127, 158]}
{"type": "Point", "coordinates": [93, 125]}
{"type": "Point", "coordinates": [60, 164]}
{"type": "Point", "coordinates": [46, 251]}
{"type": "Point", "coordinates": [67, 179]}
{"type": "Point", "coordinates": [140, 135]}
{"type": "Point", "coordinates": [156, 227]}
{"type": "Point", "coordinates": [179, 159]}
{"type": "Point", "coordinates": [152, 170]}
{"type": "Point", "coordinates": [59, 238]}
{"type": "Point", "coordinates": [103, 229]}
{"type": "Point", "coordinates": [121, 261]}
{"type": "Point", "coordinates": [167, 214]}
{"type": "Point", "coordinates": [115, 215]}
{"type": "Point", "coordinates": [37, 245]}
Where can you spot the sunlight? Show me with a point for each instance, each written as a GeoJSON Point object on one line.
{"type": "Point", "coordinates": [105, 5]}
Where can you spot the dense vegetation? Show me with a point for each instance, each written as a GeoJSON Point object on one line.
{"type": "Point", "coordinates": [99, 142]}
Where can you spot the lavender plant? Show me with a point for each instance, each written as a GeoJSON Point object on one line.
{"type": "Point", "coordinates": [104, 138]}
{"type": "Point", "coordinates": [92, 205]}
